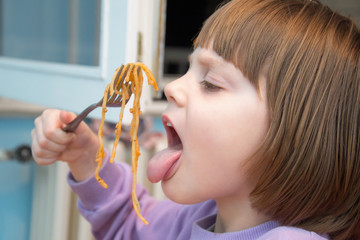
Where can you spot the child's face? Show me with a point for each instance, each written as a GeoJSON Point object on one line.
{"type": "Point", "coordinates": [220, 120]}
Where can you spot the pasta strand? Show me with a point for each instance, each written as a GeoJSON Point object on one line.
{"type": "Point", "coordinates": [125, 79]}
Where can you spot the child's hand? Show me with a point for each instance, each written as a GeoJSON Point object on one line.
{"type": "Point", "coordinates": [50, 143]}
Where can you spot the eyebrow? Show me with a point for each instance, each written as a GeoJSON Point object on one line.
{"type": "Point", "coordinates": [208, 60]}
{"type": "Point", "coordinates": [205, 59]}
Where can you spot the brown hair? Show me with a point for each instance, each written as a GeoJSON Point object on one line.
{"type": "Point", "coordinates": [309, 56]}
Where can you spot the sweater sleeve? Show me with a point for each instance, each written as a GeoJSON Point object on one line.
{"type": "Point", "coordinates": [111, 214]}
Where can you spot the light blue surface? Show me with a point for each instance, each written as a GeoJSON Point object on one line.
{"type": "Point", "coordinates": [16, 181]}
{"type": "Point", "coordinates": [50, 81]}
{"type": "Point", "coordinates": [39, 30]}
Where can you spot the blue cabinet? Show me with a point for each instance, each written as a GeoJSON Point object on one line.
{"type": "Point", "coordinates": [16, 180]}
{"type": "Point", "coordinates": [50, 57]}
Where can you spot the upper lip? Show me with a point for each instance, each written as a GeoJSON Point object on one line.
{"type": "Point", "coordinates": [172, 135]}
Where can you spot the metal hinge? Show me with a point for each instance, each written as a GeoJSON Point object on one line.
{"type": "Point", "coordinates": [21, 153]}
{"type": "Point", "coordinates": [140, 47]}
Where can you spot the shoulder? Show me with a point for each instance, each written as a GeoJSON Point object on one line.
{"type": "Point", "coordinates": [292, 233]}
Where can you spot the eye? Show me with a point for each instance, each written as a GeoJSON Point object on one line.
{"type": "Point", "coordinates": [209, 86]}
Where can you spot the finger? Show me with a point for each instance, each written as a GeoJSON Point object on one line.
{"type": "Point", "coordinates": [39, 138]}
{"type": "Point", "coordinates": [44, 161]}
{"type": "Point", "coordinates": [51, 128]}
{"type": "Point", "coordinates": [67, 117]}
{"type": "Point", "coordinates": [42, 156]}
{"type": "Point", "coordinates": [40, 153]}
{"type": "Point", "coordinates": [46, 144]}
{"type": "Point", "coordinates": [44, 151]}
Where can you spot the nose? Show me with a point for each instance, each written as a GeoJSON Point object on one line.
{"type": "Point", "coordinates": [175, 92]}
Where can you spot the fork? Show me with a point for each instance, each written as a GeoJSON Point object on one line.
{"type": "Point", "coordinates": [114, 100]}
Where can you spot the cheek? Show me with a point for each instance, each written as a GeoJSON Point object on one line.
{"type": "Point", "coordinates": [228, 137]}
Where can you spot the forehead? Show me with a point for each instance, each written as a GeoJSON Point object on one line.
{"type": "Point", "coordinates": [206, 57]}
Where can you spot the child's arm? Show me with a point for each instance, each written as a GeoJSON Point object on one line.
{"type": "Point", "coordinates": [111, 214]}
{"type": "Point", "coordinates": [110, 210]}
{"type": "Point", "coordinates": [50, 143]}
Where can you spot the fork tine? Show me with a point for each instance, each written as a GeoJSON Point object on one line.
{"type": "Point", "coordinates": [117, 78]}
{"type": "Point", "coordinates": [113, 100]}
{"type": "Point", "coordinates": [117, 83]}
{"type": "Point", "coordinates": [124, 75]}
{"type": "Point", "coordinates": [116, 99]}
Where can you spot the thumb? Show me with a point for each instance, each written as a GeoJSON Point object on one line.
{"type": "Point", "coordinates": [66, 117]}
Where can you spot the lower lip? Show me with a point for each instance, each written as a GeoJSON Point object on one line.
{"type": "Point", "coordinates": [172, 170]}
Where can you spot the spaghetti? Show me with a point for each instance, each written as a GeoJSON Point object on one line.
{"type": "Point", "coordinates": [126, 80]}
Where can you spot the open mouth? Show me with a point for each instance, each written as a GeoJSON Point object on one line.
{"type": "Point", "coordinates": [164, 164]}
{"type": "Point", "coordinates": [172, 136]}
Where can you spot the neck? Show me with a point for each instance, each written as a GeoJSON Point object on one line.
{"type": "Point", "coordinates": [235, 215]}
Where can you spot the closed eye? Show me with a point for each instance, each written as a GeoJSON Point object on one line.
{"type": "Point", "coordinates": [209, 86]}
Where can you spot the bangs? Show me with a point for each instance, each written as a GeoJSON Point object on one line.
{"type": "Point", "coordinates": [245, 33]}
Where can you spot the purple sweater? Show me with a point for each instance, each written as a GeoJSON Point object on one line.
{"type": "Point", "coordinates": [111, 216]}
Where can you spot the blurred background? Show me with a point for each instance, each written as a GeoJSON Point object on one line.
{"type": "Point", "coordinates": [61, 54]}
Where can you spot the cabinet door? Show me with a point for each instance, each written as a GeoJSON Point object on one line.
{"type": "Point", "coordinates": [61, 54]}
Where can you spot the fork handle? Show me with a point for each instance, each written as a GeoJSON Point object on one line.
{"type": "Point", "coordinates": [72, 126]}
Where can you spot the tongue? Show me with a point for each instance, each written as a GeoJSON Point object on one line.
{"type": "Point", "coordinates": [161, 162]}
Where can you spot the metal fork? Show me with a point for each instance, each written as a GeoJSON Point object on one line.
{"type": "Point", "coordinates": [114, 100]}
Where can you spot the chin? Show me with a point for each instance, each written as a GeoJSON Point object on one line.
{"type": "Point", "coordinates": [178, 195]}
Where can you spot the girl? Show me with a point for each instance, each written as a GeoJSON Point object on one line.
{"type": "Point", "coordinates": [263, 135]}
